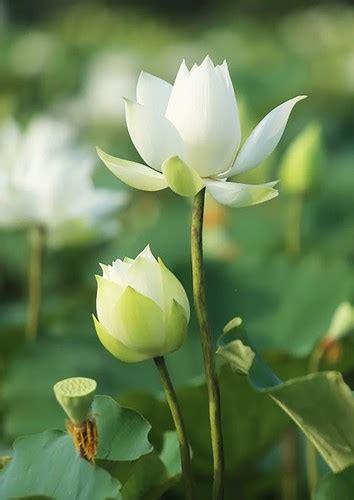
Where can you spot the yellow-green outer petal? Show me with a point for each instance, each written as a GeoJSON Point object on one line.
{"type": "Point", "coordinates": [234, 194]}
{"type": "Point", "coordinates": [176, 327]}
{"type": "Point", "coordinates": [115, 347]}
{"type": "Point", "coordinates": [134, 174]}
{"type": "Point", "coordinates": [143, 322]}
{"type": "Point", "coordinates": [108, 292]}
{"type": "Point", "coordinates": [172, 288]}
{"type": "Point", "coordinates": [181, 178]}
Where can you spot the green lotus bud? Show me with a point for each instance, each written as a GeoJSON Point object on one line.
{"type": "Point", "coordinates": [342, 321]}
{"type": "Point", "coordinates": [142, 309]}
{"type": "Point", "coordinates": [75, 395]}
{"type": "Point", "coordinates": [300, 167]}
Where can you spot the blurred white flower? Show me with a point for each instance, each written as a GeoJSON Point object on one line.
{"type": "Point", "coordinates": [45, 180]}
{"type": "Point", "coordinates": [44, 45]}
{"type": "Point", "coordinates": [142, 308]}
{"type": "Point", "coordinates": [109, 76]}
{"type": "Point", "coordinates": [189, 135]}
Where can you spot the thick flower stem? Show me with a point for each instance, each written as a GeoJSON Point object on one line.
{"type": "Point", "coordinates": [37, 242]}
{"type": "Point", "coordinates": [207, 345]}
{"type": "Point", "coordinates": [179, 425]}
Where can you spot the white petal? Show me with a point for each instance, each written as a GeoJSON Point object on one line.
{"type": "Point", "coordinates": [264, 138]}
{"type": "Point", "coordinates": [144, 276]}
{"type": "Point", "coordinates": [108, 293]}
{"type": "Point", "coordinates": [204, 111]}
{"type": "Point", "coordinates": [147, 254]}
{"type": "Point", "coordinates": [134, 174]}
{"type": "Point", "coordinates": [223, 69]}
{"type": "Point", "coordinates": [154, 137]}
{"type": "Point", "coordinates": [116, 272]}
{"type": "Point", "coordinates": [234, 194]}
{"type": "Point", "coordinates": [153, 92]}
{"type": "Point", "coordinates": [182, 74]}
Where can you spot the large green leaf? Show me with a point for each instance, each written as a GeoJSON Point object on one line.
{"type": "Point", "coordinates": [338, 486]}
{"type": "Point", "coordinates": [251, 423]}
{"type": "Point", "coordinates": [321, 404]}
{"type": "Point", "coordinates": [122, 433]}
{"type": "Point", "coordinates": [287, 304]}
{"type": "Point", "coordinates": [47, 464]}
{"type": "Point", "coordinates": [155, 473]}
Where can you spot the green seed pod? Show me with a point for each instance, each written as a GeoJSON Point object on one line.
{"type": "Point", "coordinates": [75, 395]}
{"type": "Point", "coordinates": [301, 164]}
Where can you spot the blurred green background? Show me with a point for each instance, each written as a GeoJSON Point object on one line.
{"type": "Point", "coordinates": [75, 60]}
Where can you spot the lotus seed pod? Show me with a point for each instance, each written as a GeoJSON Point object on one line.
{"type": "Point", "coordinates": [75, 395]}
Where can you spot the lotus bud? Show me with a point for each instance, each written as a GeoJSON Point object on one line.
{"type": "Point", "coordinates": [142, 309]}
{"type": "Point", "coordinates": [342, 321]}
{"type": "Point", "coordinates": [300, 167]}
{"type": "Point", "coordinates": [75, 395]}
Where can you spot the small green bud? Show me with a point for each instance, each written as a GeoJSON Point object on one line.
{"type": "Point", "coordinates": [342, 321]}
{"type": "Point", "coordinates": [302, 161]}
{"type": "Point", "coordinates": [75, 395]}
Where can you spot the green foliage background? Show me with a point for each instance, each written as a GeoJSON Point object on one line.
{"type": "Point", "coordinates": [286, 302]}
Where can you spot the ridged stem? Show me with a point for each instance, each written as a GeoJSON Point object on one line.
{"type": "Point", "coordinates": [207, 345]}
{"type": "Point", "coordinates": [179, 425]}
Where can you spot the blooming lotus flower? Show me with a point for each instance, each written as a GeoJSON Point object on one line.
{"type": "Point", "coordinates": [142, 308]}
{"type": "Point", "coordinates": [45, 180]}
{"type": "Point", "coordinates": [189, 135]}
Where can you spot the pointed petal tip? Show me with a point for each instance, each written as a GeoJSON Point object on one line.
{"type": "Point", "coordinates": [207, 61]}
{"type": "Point", "coordinates": [298, 98]}
{"type": "Point", "coordinates": [183, 66]}
{"type": "Point", "coordinates": [100, 152]}
{"type": "Point", "coordinates": [147, 253]}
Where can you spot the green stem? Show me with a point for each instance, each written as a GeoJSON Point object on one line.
{"type": "Point", "coordinates": [311, 453]}
{"type": "Point", "coordinates": [311, 467]}
{"type": "Point", "coordinates": [289, 465]}
{"type": "Point", "coordinates": [179, 424]}
{"type": "Point", "coordinates": [37, 242]}
{"type": "Point", "coordinates": [207, 346]}
{"type": "Point", "coordinates": [295, 209]}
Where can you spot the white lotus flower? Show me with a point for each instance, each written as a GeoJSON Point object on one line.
{"type": "Point", "coordinates": [46, 180]}
{"type": "Point", "coordinates": [142, 308]}
{"type": "Point", "coordinates": [189, 136]}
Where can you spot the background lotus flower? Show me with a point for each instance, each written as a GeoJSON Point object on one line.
{"type": "Point", "coordinates": [142, 309]}
{"type": "Point", "coordinates": [189, 135]}
{"type": "Point", "coordinates": [45, 180]}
